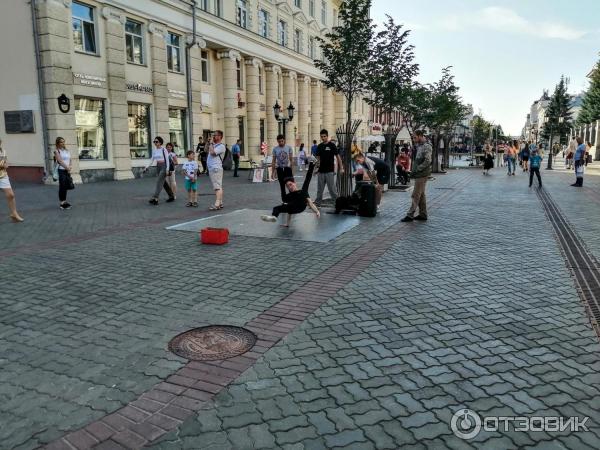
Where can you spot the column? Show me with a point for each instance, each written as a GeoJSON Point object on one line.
{"type": "Point", "coordinates": [252, 144]}
{"type": "Point", "coordinates": [114, 28]}
{"type": "Point", "coordinates": [196, 76]}
{"type": "Point", "coordinates": [328, 111]}
{"type": "Point", "coordinates": [289, 95]}
{"type": "Point", "coordinates": [158, 55]}
{"type": "Point", "coordinates": [316, 121]}
{"type": "Point", "coordinates": [230, 90]}
{"type": "Point", "coordinates": [272, 73]}
{"type": "Point", "coordinates": [597, 142]}
{"type": "Point", "coordinates": [54, 17]}
{"type": "Point", "coordinates": [303, 105]}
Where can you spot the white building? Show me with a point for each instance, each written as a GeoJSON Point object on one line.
{"type": "Point", "coordinates": [133, 69]}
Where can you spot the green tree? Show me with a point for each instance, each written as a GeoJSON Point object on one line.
{"type": "Point", "coordinates": [560, 106]}
{"type": "Point", "coordinates": [481, 130]}
{"type": "Point", "coordinates": [590, 108]}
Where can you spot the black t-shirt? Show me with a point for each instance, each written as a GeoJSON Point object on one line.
{"type": "Point", "coordinates": [327, 151]}
{"type": "Point", "coordinates": [297, 198]}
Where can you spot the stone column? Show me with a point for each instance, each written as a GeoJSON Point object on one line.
{"type": "Point", "coordinates": [158, 56]}
{"type": "Point", "coordinates": [230, 90]}
{"type": "Point", "coordinates": [272, 74]}
{"type": "Point", "coordinates": [117, 92]}
{"type": "Point", "coordinates": [303, 105]}
{"type": "Point", "coordinates": [316, 121]}
{"type": "Point", "coordinates": [196, 75]}
{"type": "Point", "coordinates": [289, 95]}
{"type": "Point", "coordinates": [328, 111]}
{"type": "Point", "coordinates": [54, 25]}
{"type": "Point", "coordinates": [252, 144]}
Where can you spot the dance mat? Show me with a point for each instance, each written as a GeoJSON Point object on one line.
{"type": "Point", "coordinates": [304, 227]}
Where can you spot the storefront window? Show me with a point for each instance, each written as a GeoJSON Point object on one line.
{"type": "Point", "coordinates": [139, 130]}
{"type": "Point", "coordinates": [89, 124]}
{"type": "Point", "coordinates": [177, 130]}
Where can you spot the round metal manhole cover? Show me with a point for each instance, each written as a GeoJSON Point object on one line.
{"type": "Point", "coordinates": [212, 343]}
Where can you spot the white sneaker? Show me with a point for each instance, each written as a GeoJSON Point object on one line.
{"type": "Point", "coordinates": [267, 218]}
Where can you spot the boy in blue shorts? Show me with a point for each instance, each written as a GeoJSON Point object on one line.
{"type": "Point", "coordinates": [190, 170]}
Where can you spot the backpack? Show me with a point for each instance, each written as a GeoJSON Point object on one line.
{"type": "Point", "coordinates": [227, 160]}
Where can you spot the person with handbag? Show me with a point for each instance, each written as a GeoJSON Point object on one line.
{"type": "Point", "coordinates": [579, 162]}
{"type": "Point", "coordinates": [7, 188]}
{"type": "Point", "coordinates": [173, 162]}
{"type": "Point", "coordinates": [62, 158]}
{"type": "Point", "coordinates": [161, 156]}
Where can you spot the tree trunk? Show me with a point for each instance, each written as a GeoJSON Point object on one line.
{"type": "Point", "coordinates": [435, 163]}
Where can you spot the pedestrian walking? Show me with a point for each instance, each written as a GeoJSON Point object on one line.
{"type": "Point", "coordinates": [511, 157]}
{"type": "Point", "coordinates": [7, 188]}
{"type": "Point", "coordinates": [571, 153]}
{"type": "Point", "coordinates": [281, 163]}
{"type": "Point", "coordinates": [534, 167]}
{"type": "Point", "coordinates": [313, 149]}
{"type": "Point", "coordinates": [160, 156]}
{"type": "Point", "coordinates": [525, 154]}
{"type": "Point", "coordinates": [236, 150]}
{"type": "Point", "coordinates": [296, 200]}
{"type": "Point", "coordinates": [588, 153]}
{"type": "Point", "coordinates": [190, 170]}
{"type": "Point", "coordinates": [173, 163]}
{"type": "Point", "coordinates": [327, 154]}
{"type": "Point", "coordinates": [201, 151]}
{"type": "Point", "coordinates": [421, 172]}
{"type": "Point", "coordinates": [578, 158]}
{"type": "Point", "coordinates": [214, 162]}
{"type": "Point", "coordinates": [62, 158]}
{"type": "Point", "coordinates": [301, 160]}
{"type": "Point", "coordinates": [488, 159]}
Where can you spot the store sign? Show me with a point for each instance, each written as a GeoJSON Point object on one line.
{"type": "Point", "coordinates": [85, 79]}
{"type": "Point", "coordinates": [139, 87]}
{"type": "Point", "coordinates": [177, 94]}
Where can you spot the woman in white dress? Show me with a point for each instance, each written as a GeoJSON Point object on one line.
{"type": "Point", "coordinates": [7, 188]}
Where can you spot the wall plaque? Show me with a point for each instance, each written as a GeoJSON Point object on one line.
{"type": "Point", "coordinates": [139, 87]}
{"type": "Point", "coordinates": [85, 79]}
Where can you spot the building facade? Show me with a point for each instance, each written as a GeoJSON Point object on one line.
{"type": "Point", "coordinates": [115, 73]}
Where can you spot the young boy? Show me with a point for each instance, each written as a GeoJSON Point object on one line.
{"type": "Point", "coordinates": [190, 170]}
{"type": "Point", "coordinates": [295, 201]}
{"type": "Point", "coordinates": [535, 162]}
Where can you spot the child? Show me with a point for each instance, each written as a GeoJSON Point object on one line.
{"type": "Point", "coordinates": [535, 162]}
{"type": "Point", "coordinates": [295, 201]}
{"type": "Point", "coordinates": [190, 170]}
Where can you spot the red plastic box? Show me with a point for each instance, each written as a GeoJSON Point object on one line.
{"type": "Point", "coordinates": [215, 236]}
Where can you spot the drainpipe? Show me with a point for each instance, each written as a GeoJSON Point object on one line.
{"type": "Point", "coordinates": [188, 70]}
{"type": "Point", "coordinates": [41, 93]}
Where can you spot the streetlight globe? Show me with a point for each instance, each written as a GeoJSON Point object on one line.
{"type": "Point", "coordinates": [290, 110]}
{"type": "Point", "coordinates": [276, 110]}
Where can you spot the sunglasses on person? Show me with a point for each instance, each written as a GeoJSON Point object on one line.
{"type": "Point", "coordinates": [156, 142]}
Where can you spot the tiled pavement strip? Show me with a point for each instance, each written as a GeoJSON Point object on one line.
{"type": "Point", "coordinates": [380, 364]}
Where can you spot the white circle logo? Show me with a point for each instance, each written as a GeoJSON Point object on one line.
{"type": "Point", "coordinates": [466, 424]}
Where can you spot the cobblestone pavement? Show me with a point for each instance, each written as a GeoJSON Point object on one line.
{"type": "Point", "coordinates": [473, 309]}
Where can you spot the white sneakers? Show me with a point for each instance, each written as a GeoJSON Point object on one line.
{"type": "Point", "coordinates": [267, 218]}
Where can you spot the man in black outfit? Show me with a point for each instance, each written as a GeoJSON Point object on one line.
{"type": "Point", "coordinates": [327, 154]}
{"type": "Point", "coordinates": [295, 201]}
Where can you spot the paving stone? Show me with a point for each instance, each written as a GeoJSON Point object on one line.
{"type": "Point", "coordinates": [344, 438]}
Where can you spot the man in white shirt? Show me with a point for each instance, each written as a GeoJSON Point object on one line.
{"type": "Point", "coordinates": [214, 162]}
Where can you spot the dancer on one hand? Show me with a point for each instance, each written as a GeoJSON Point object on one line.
{"type": "Point", "coordinates": [296, 200]}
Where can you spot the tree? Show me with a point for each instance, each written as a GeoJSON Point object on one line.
{"type": "Point", "coordinates": [391, 82]}
{"type": "Point", "coordinates": [590, 108]}
{"type": "Point", "coordinates": [481, 130]}
{"type": "Point", "coordinates": [560, 106]}
{"type": "Point", "coordinates": [346, 50]}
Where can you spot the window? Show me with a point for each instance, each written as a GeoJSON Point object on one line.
{"type": "Point", "coordinates": [282, 33]}
{"type": "Point", "coordinates": [173, 52]}
{"type": "Point", "coordinates": [297, 41]}
{"type": "Point", "coordinates": [84, 28]}
{"type": "Point", "coordinates": [203, 4]}
{"type": "Point", "coordinates": [263, 23]}
{"type": "Point", "coordinates": [219, 8]}
{"type": "Point", "coordinates": [89, 127]}
{"type": "Point", "coordinates": [242, 14]}
{"type": "Point", "coordinates": [238, 70]}
{"type": "Point", "coordinates": [311, 8]}
{"type": "Point", "coordinates": [311, 48]}
{"type": "Point", "coordinates": [323, 12]}
{"type": "Point", "coordinates": [204, 66]}
{"type": "Point", "coordinates": [260, 80]}
{"type": "Point", "coordinates": [177, 130]}
{"type": "Point", "coordinates": [134, 42]}
{"type": "Point", "coordinates": [138, 118]}
{"type": "Point", "coordinates": [298, 3]}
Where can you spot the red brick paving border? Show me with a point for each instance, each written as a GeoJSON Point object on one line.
{"type": "Point", "coordinates": [169, 403]}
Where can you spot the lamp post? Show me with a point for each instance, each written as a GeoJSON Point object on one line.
{"type": "Point", "coordinates": [283, 119]}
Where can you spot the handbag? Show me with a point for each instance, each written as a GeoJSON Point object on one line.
{"type": "Point", "coordinates": [55, 172]}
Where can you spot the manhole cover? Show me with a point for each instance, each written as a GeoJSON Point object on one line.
{"type": "Point", "coordinates": [212, 343]}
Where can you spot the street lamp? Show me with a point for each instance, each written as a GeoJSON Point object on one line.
{"type": "Point", "coordinates": [548, 121]}
{"type": "Point", "coordinates": [283, 119]}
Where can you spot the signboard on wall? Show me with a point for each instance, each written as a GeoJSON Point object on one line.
{"type": "Point", "coordinates": [85, 79]}
{"type": "Point", "coordinates": [139, 87]}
